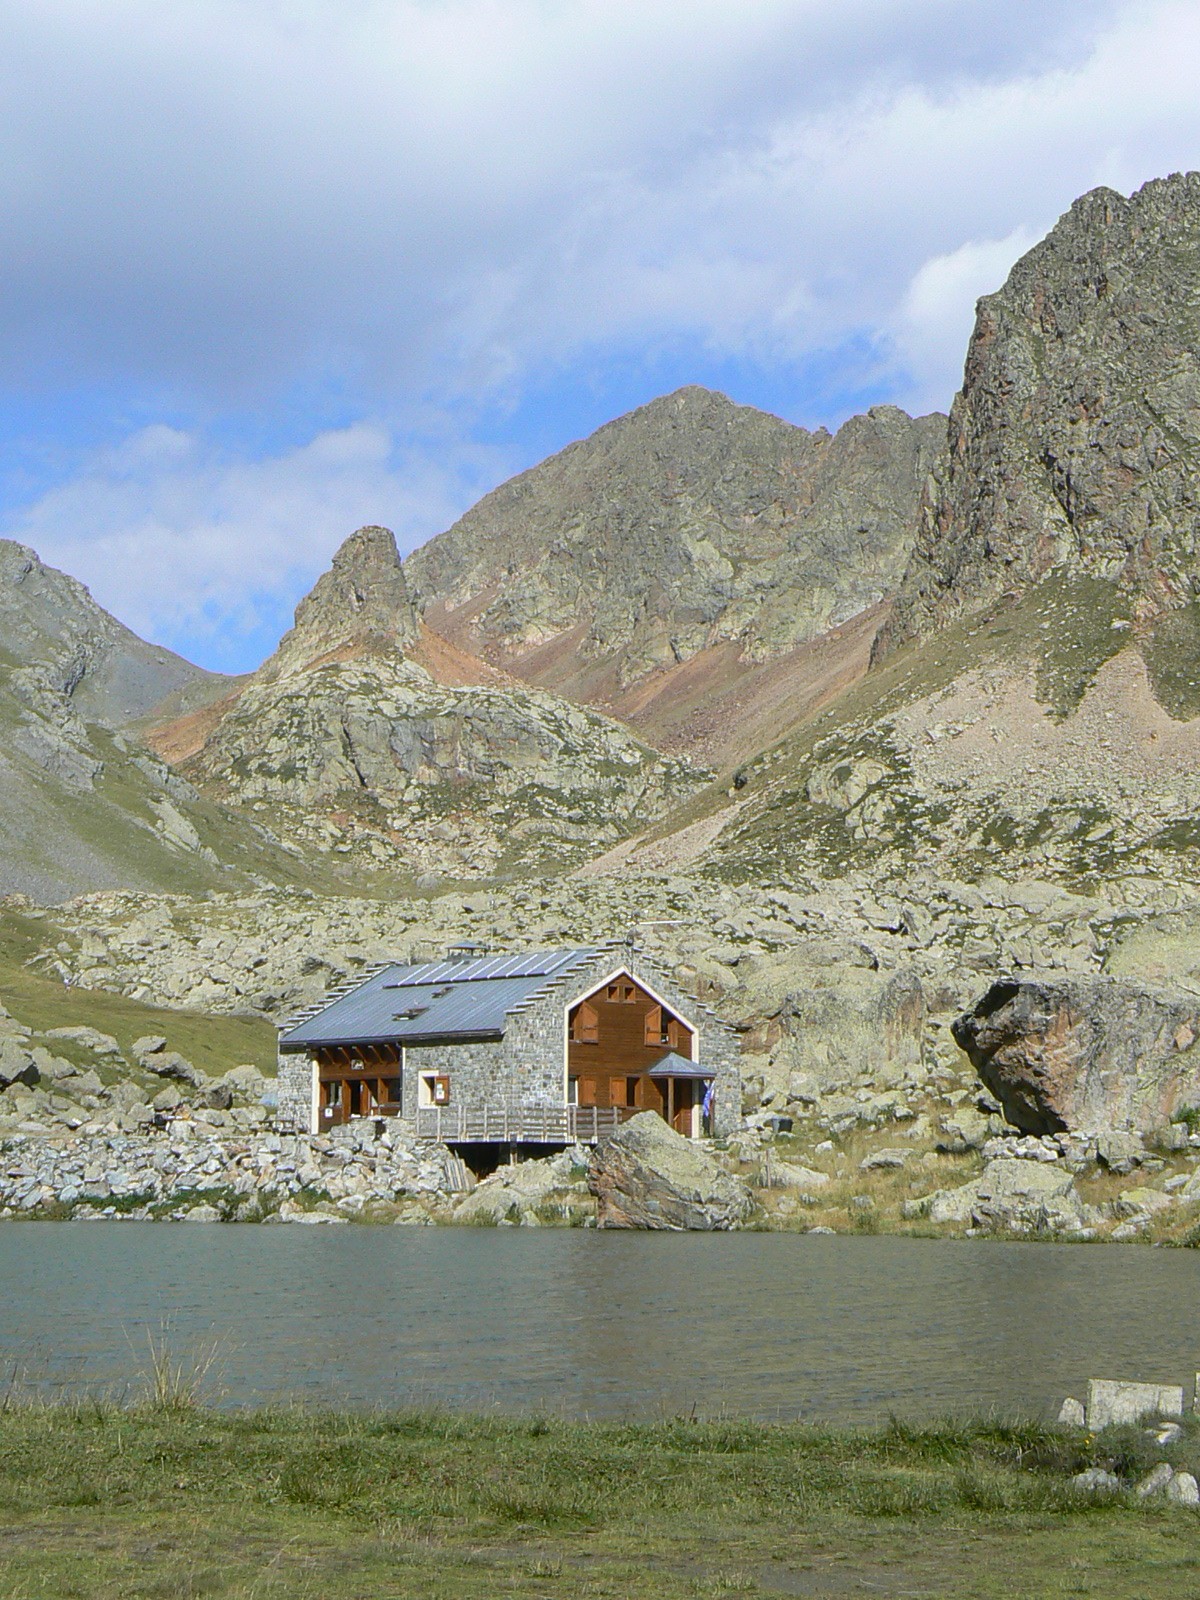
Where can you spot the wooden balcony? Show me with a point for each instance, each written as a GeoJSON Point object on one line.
{"type": "Point", "coordinates": [521, 1125]}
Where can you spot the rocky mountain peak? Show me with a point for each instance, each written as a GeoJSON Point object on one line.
{"type": "Point", "coordinates": [1075, 440]}
{"type": "Point", "coordinates": [689, 524]}
{"type": "Point", "coordinates": [360, 605]}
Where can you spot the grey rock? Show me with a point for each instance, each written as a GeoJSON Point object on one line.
{"type": "Point", "coordinates": [530, 1193]}
{"type": "Point", "coordinates": [777, 1174]}
{"type": "Point", "coordinates": [1112, 1402]}
{"type": "Point", "coordinates": [884, 1160]}
{"type": "Point", "coordinates": [966, 1130]}
{"type": "Point", "coordinates": [649, 1176]}
{"type": "Point", "coordinates": [1120, 1151]}
{"type": "Point", "coordinates": [1156, 1482]}
{"type": "Point", "coordinates": [100, 1044]}
{"type": "Point", "coordinates": [1096, 1481]}
{"type": "Point", "coordinates": [1183, 1490]}
{"type": "Point", "coordinates": [17, 1065]}
{"type": "Point", "coordinates": [1014, 1196]}
{"type": "Point", "coordinates": [170, 1064]}
{"type": "Point", "coordinates": [1071, 1414]}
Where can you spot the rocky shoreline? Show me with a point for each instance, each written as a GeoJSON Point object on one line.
{"type": "Point", "coordinates": [646, 1177]}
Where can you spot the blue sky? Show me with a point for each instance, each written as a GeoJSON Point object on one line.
{"type": "Point", "coordinates": [274, 268]}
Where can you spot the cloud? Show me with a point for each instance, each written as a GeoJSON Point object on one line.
{"type": "Point", "coordinates": [193, 547]}
{"type": "Point", "coordinates": [230, 195]}
{"type": "Point", "coordinates": [237, 222]}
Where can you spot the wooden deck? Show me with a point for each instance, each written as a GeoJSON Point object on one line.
{"type": "Point", "coordinates": [517, 1125]}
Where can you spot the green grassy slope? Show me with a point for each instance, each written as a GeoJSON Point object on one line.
{"type": "Point", "coordinates": [42, 1002]}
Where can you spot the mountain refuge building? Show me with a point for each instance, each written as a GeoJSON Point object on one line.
{"type": "Point", "coordinates": [536, 1047]}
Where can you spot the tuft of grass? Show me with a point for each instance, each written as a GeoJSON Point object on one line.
{"type": "Point", "coordinates": [176, 1380]}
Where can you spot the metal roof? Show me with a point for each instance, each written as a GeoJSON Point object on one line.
{"type": "Point", "coordinates": [673, 1065]}
{"type": "Point", "coordinates": [435, 1000]}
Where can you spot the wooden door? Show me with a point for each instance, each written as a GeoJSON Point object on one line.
{"type": "Point", "coordinates": [589, 1090]}
{"type": "Point", "coordinates": [684, 1099]}
{"type": "Point", "coordinates": [652, 1095]}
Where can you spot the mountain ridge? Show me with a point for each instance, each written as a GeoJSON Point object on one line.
{"type": "Point", "coordinates": [687, 524]}
{"type": "Point", "coordinates": [1075, 439]}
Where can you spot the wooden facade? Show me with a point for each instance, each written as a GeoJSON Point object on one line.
{"type": "Point", "coordinates": [614, 1037]}
{"type": "Point", "coordinates": [363, 1081]}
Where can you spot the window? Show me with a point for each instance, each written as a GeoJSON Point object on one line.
{"type": "Point", "coordinates": [390, 1090]}
{"type": "Point", "coordinates": [435, 1089]}
{"type": "Point", "coordinates": [572, 1091]}
{"type": "Point", "coordinates": [631, 1091]}
{"type": "Point", "coordinates": [656, 1031]}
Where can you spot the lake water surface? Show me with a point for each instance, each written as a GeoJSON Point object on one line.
{"type": "Point", "coordinates": [599, 1324]}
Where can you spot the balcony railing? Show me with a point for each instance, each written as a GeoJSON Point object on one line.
{"type": "Point", "coordinates": [521, 1124]}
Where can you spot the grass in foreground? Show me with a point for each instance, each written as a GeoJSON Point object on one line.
{"type": "Point", "coordinates": [102, 1502]}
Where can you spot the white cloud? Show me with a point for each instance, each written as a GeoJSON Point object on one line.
{"type": "Point", "coordinates": [183, 543]}
{"type": "Point", "coordinates": [231, 194]}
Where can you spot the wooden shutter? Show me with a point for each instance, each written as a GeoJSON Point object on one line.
{"type": "Point", "coordinates": [587, 1024]}
{"type": "Point", "coordinates": [654, 1025]}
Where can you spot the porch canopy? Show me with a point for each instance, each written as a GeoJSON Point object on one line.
{"type": "Point", "coordinates": [676, 1066]}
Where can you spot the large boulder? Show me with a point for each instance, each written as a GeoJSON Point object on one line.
{"type": "Point", "coordinates": [1085, 1054]}
{"type": "Point", "coordinates": [1013, 1196]}
{"type": "Point", "coordinates": [649, 1176]}
{"type": "Point", "coordinates": [530, 1193]}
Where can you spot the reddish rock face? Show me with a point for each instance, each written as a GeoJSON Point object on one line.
{"type": "Point", "coordinates": [1085, 1055]}
{"type": "Point", "coordinates": [1073, 439]}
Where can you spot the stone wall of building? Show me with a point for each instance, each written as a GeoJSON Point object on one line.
{"type": "Point", "coordinates": [294, 1113]}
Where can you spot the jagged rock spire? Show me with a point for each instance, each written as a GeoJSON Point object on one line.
{"type": "Point", "coordinates": [361, 604]}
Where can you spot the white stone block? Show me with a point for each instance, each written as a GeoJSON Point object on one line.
{"type": "Point", "coordinates": [1110, 1402]}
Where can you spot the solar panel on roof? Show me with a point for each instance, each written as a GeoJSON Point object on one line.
{"type": "Point", "coordinates": [529, 964]}
{"type": "Point", "coordinates": [456, 999]}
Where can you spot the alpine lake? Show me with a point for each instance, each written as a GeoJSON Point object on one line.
{"type": "Point", "coordinates": [243, 1412]}
{"type": "Point", "coordinates": [603, 1325]}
